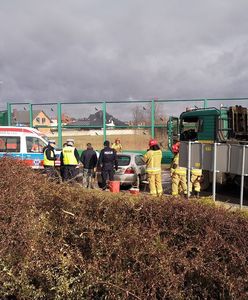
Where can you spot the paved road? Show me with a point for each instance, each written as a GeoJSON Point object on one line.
{"type": "Point", "coordinates": [224, 193]}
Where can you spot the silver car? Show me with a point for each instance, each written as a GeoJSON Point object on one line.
{"type": "Point", "coordinates": [131, 169]}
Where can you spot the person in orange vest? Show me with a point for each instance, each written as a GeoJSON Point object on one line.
{"type": "Point", "coordinates": [117, 145]}
{"type": "Point", "coordinates": [178, 174]}
{"type": "Point", "coordinates": [153, 159]}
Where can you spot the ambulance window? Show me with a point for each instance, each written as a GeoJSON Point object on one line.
{"type": "Point", "coordinates": [34, 144]}
{"type": "Point", "coordinates": [9, 144]}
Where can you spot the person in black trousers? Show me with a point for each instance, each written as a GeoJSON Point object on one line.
{"type": "Point", "coordinates": [69, 159]}
{"type": "Point", "coordinates": [89, 161]}
{"type": "Point", "coordinates": [49, 159]}
{"type": "Point", "coordinates": [107, 161]}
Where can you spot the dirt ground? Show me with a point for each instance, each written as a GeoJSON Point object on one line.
{"type": "Point", "coordinates": [129, 142]}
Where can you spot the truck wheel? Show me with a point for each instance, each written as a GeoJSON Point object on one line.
{"type": "Point", "coordinates": [205, 182]}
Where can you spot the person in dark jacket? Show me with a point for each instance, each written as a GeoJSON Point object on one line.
{"type": "Point", "coordinates": [89, 161]}
{"type": "Point", "coordinates": [69, 159]}
{"type": "Point", "coordinates": [107, 162]}
{"type": "Point", "coordinates": [62, 165]}
{"type": "Point", "coordinates": [49, 158]}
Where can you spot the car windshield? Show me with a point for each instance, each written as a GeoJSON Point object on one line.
{"type": "Point", "coordinates": [123, 160]}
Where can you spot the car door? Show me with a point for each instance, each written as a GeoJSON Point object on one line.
{"type": "Point", "coordinates": [34, 155]}
{"type": "Point", "coordinates": [140, 166]}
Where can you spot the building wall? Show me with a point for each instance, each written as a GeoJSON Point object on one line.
{"type": "Point", "coordinates": [42, 119]}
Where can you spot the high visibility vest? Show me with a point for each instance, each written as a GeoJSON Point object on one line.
{"type": "Point", "coordinates": [178, 170]}
{"type": "Point", "coordinates": [196, 172]}
{"type": "Point", "coordinates": [68, 156]}
{"type": "Point", "coordinates": [153, 160]}
{"type": "Point", "coordinates": [48, 162]}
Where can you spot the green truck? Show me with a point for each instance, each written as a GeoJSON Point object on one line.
{"type": "Point", "coordinates": [4, 118]}
{"type": "Point", "coordinates": [209, 125]}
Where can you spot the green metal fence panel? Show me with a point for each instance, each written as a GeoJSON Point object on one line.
{"type": "Point", "coordinates": [155, 114]}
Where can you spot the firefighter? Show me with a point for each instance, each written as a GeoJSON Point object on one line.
{"type": "Point", "coordinates": [89, 161]}
{"type": "Point", "coordinates": [178, 174]}
{"type": "Point", "coordinates": [195, 181]}
{"type": "Point", "coordinates": [117, 145]}
{"type": "Point", "coordinates": [69, 159]}
{"type": "Point", "coordinates": [153, 159]}
{"type": "Point", "coordinates": [49, 158]}
{"type": "Point", "coordinates": [107, 162]}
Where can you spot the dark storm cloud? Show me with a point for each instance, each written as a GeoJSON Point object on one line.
{"type": "Point", "coordinates": [110, 49]}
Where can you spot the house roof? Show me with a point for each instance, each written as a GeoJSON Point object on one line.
{"type": "Point", "coordinates": [97, 120]}
{"type": "Point", "coordinates": [22, 116]}
{"type": "Point", "coordinates": [80, 122]}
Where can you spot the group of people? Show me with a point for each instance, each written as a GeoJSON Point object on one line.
{"type": "Point", "coordinates": [70, 161]}
{"type": "Point", "coordinates": [179, 176]}
{"type": "Point", "coordinates": [108, 162]}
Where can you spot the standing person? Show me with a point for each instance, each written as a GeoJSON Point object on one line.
{"type": "Point", "coordinates": [195, 181]}
{"type": "Point", "coordinates": [178, 174]}
{"type": "Point", "coordinates": [107, 161]}
{"type": "Point", "coordinates": [49, 158]}
{"type": "Point", "coordinates": [69, 159]}
{"type": "Point", "coordinates": [89, 161]}
{"type": "Point", "coordinates": [117, 145]}
{"type": "Point", "coordinates": [62, 165]}
{"type": "Point", "coordinates": [153, 159]}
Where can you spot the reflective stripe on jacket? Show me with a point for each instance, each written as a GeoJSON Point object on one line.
{"type": "Point", "coordinates": [153, 160]}
{"type": "Point", "coordinates": [175, 168]}
{"type": "Point", "coordinates": [68, 156]}
{"type": "Point", "coordinates": [48, 162]}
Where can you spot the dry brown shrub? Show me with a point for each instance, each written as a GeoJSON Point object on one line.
{"type": "Point", "coordinates": [63, 242]}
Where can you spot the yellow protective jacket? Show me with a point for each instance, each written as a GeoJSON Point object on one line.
{"type": "Point", "coordinates": [68, 156]}
{"type": "Point", "coordinates": [153, 160]}
{"type": "Point", "coordinates": [49, 157]}
{"type": "Point", "coordinates": [117, 147]}
{"type": "Point", "coordinates": [175, 168]}
{"type": "Point", "coordinates": [196, 172]}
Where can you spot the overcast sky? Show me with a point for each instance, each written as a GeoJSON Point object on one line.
{"type": "Point", "coordinates": [115, 50]}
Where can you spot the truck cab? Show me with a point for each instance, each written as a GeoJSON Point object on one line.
{"type": "Point", "coordinates": [209, 125]}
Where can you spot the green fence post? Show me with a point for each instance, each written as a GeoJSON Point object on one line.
{"type": "Point", "coordinates": [104, 121]}
{"type": "Point", "coordinates": [59, 126]}
{"type": "Point", "coordinates": [9, 114]}
{"type": "Point", "coordinates": [153, 118]}
{"type": "Point", "coordinates": [30, 115]}
{"type": "Point", "coordinates": [205, 103]}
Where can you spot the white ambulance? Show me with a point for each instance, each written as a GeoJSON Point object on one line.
{"type": "Point", "coordinates": [23, 143]}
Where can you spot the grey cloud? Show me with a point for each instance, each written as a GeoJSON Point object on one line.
{"type": "Point", "coordinates": [78, 50]}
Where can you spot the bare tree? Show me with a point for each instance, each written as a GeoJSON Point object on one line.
{"type": "Point", "coordinates": [139, 116]}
